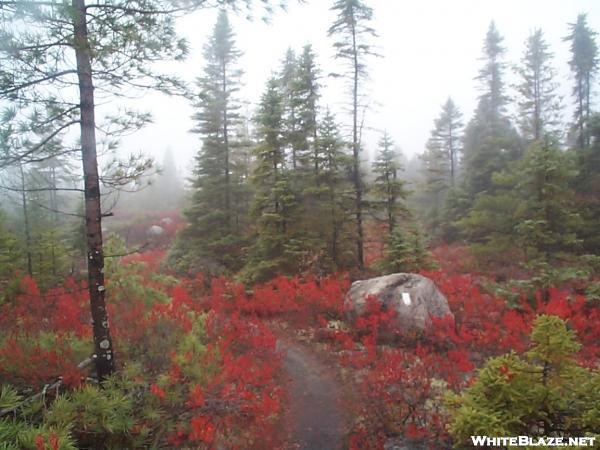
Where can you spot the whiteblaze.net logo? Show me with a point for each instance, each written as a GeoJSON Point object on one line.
{"type": "Point", "coordinates": [527, 441]}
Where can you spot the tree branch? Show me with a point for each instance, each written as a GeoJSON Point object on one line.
{"type": "Point", "coordinates": [39, 145]}
{"type": "Point", "coordinates": [8, 188]}
{"type": "Point", "coordinates": [83, 364]}
{"type": "Point", "coordinates": [40, 80]}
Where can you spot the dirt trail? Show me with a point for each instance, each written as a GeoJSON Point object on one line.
{"type": "Point", "coordinates": [316, 418]}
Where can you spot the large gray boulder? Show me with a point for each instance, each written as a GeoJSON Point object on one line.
{"type": "Point", "coordinates": [414, 297]}
{"type": "Point", "coordinates": [155, 231]}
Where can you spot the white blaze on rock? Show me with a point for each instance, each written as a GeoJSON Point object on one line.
{"type": "Point", "coordinates": [406, 298]}
{"type": "Point", "coordinates": [414, 298]}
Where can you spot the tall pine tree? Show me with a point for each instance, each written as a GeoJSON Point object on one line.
{"type": "Point", "coordinates": [210, 241]}
{"type": "Point", "coordinates": [388, 190]}
{"type": "Point", "coordinates": [584, 65]}
{"type": "Point", "coordinates": [353, 31]}
{"type": "Point", "coordinates": [539, 103]}
{"type": "Point", "coordinates": [441, 160]}
{"type": "Point", "coordinates": [334, 208]}
{"type": "Point", "coordinates": [274, 205]}
{"type": "Point", "coordinates": [490, 141]}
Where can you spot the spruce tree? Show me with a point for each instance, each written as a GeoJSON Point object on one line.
{"type": "Point", "coordinates": [306, 94]}
{"type": "Point", "coordinates": [334, 207]}
{"type": "Point", "coordinates": [11, 255]}
{"type": "Point", "coordinates": [441, 160]}
{"type": "Point", "coordinates": [489, 141]}
{"type": "Point", "coordinates": [210, 236]}
{"type": "Point", "coordinates": [445, 141]}
{"type": "Point", "coordinates": [587, 187]}
{"type": "Point", "coordinates": [530, 212]}
{"type": "Point", "coordinates": [405, 252]}
{"type": "Point", "coordinates": [546, 218]}
{"type": "Point", "coordinates": [352, 28]}
{"type": "Point", "coordinates": [539, 103]}
{"type": "Point", "coordinates": [291, 137]}
{"type": "Point", "coordinates": [543, 393]}
{"type": "Point", "coordinates": [388, 190]}
{"type": "Point", "coordinates": [584, 65]}
{"type": "Point", "coordinates": [275, 250]}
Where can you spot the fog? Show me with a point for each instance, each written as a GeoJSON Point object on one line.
{"type": "Point", "coordinates": [429, 50]}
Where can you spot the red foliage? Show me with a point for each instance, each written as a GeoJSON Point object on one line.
{"type": "Point", "coordinates": [134, 229]}
{"type": "Point", "coordinates": [203, 429]}
{"type": "Point", "coordinates": [53, 442]}
{"type": "Point", "coordinates": [153, 259]}
{"type": "Point", "coordinates": [398, 397]}
{"type": "Point", "coordinates": [240, 394]}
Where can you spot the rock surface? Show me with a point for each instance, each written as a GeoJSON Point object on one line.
{"type": "Point", "coordinates": [155, 231]}
{"type": "Point", "coordinates": [414, 297]}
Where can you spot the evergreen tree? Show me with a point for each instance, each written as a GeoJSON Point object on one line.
{"type": "Point", "coordinates": [241, 167]}
{"type": "Point", "coordinates": [352, 28]}
{"type": "Point", "coordinates": [305, 100]}
{"type": "Point", "coordinates": [11, 254]}
{"type": "Point", "coordinates": [275, 250]}
{"type": "Point", "coordinates": [333, 207]}
{"type": "Point", "coordinates": [587, 186]}
{"type": "Point", "coordinates": [445, 141]}
{"type": "Point", "coordinates": [539, 104]}
{"type": "Point", "coordinates": [547, 221]}
{"type": "Point", "coordinates": [291, 138]}
{"type": "Point", "coordinates": [490, 141]}
{"type": "Point", "coordinates": [388, 190]}
{"type": "Point", "coordinates": [530, 211]}
{"type": "Point", "coordinates": [300, 88]}
{"type": "Point", "coordinates": [584, 65]}
{"type": "Point", "coordinates": [211, 226]}
{"type": "Point", "coordinates": [543, 393]}
{"type": "Point", "coordinates": [405, 252]}
{"type": "Point", "coordinates": [441, 160]}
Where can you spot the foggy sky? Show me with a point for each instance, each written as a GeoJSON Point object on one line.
{"type": "Point", "coordinates": [430, 50]}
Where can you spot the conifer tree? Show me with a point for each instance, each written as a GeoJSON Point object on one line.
{"type": "Point", "coordinates": [334, 208]}
{"type": "Point", "coordinates": [539, 103]}
{"type": "Point", "coordinates": [274, 207]}
{"type": "Point", "coordinates": [405, 252]}
{"type": "Point", "coordinates": [547, 221]}
{"type": "Point", "coordinates": [352, 28]}
{"type": "Point", "coordinates": [305, 99]}
{"type": "Point", "coordinates": [241, 166]}
{"type": "Point", "coordinates": [530, 211]}
{"type": "Point", "coordinates": [211, 218]}
{"type": "Point", "coordinates": [441, 159]}
{"type": "Point", "coordinates": [543, 393]}
{"type": "Point", "coordinates": [490, 141]}
{"type": "Point", "coordinates": [388, 190]}
{"type": "Point", "coordinates": [11, 253]}
{"type": "Point", "coordinates": [584, 65]}
{"type": "Point", "coordinates": [445, 141]}
{"type": "Point", "coordinates": [587, 186]}
{"type": "Point", "coordinates": [291, 136]}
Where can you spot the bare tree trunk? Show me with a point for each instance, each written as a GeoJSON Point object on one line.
{"type": "Point", "coordinates": [93, 214]}
{"type": "Point", "coordinates": [356, 159]}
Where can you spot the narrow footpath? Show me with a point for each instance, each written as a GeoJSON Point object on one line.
{"type": "Point", "coordinates": [316, 419]}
